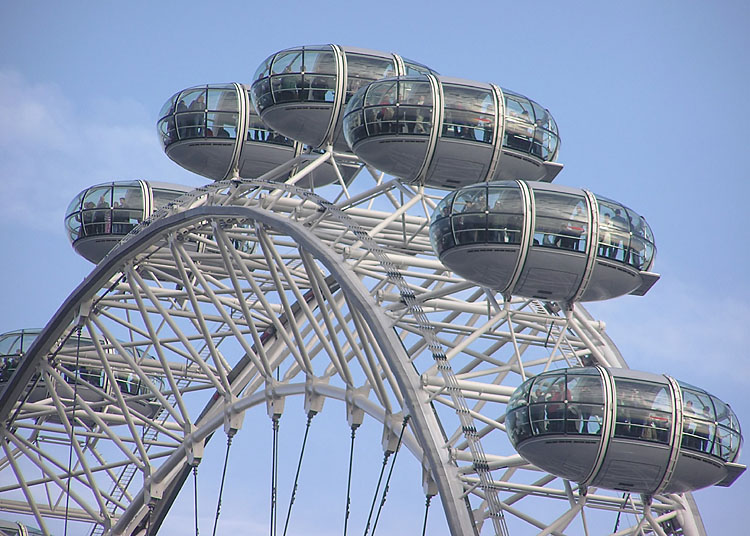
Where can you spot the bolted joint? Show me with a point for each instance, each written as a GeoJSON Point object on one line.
{"type": "Point", "coordinates": [313, 399]}
{"type": "Point", "coordinates": [392, 431]}
{"type": "Point", "coordinates": [153, 491]}
{"type": "Point", "coordinates": [429, 486]}
{"type": "Point", "coordinates": [232, 419]}
{"type": "Point", "coordinates": [84, 311]}
{"type": "Point", "coordinates": [274, 402]}
{"type": "Point", "coordinates": [193, 447]}
{"type": "Point", "coordinates": [354, 414]}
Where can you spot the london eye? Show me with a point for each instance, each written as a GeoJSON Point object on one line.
{"type": "Point", "coordinates": [381, 243]}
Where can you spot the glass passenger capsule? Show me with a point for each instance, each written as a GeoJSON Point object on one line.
{"type": "Point", "coordinates": [544, 241]}
{"type": "Point", "coordinates": [625, 430]}
{"type": "Point", "coordinates": [448, 132]}
{"type": "Point", "coordinates": [94, 385]}
{"type": "Point", "coordinates": [101, 215]}
{"type": "Point", "coordinates": [214, 131]}
{"type": "Point", "coordinates": [301, 92]}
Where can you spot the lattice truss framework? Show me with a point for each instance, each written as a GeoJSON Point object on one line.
{"type": "Point", "coordinates": [229, 300]}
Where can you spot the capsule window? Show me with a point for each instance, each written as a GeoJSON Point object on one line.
{"type": "Point", "coordinates": [415, 92]}
{"type": "Point", "coordinates": [223, 99]}
{"type": "Point", "coordinates": [287, 62]}
{"type": "Point", "coordinates": [191, 124]}
{"type": "Point", "coordinates": [382, 93]}
{"type": "Point", "coordinates": [221, 125]}
{"type": "Point", "coordinates": [319, 88]}
{"type": "Point", "coordinates": [643, 410]}
{"type": "Point", "coordinates": [505, 217]}
{"type": "Point", "coordinates": [73, 226]}
{"type": "Point", "coordinates": [443, 209]}
{"type": "Point", "coordinates": [468, 113]}
{"type": "Point", "coordinates": [320, 62]}
{"type": "Point", "coordinates": [441, 235]}
{"type": "Point", "coordinates": [168, 107]}
{"type": "Point", "coordinates": [11, 344]}
{"type": "Point", "coordinates": [470, 218]}
{"type": "Point", "coordinates": [262, 94]}
{"type": "Point", "coordinates": [286, 88]}
{"type": "Point", "coordinates": [164, 197]}
{"type": "Point", "coordinates": [363, 69]}
{"type": "Point", "coordinates": [415, 69]}
{"type": "Point", "coordinates": [561, 221]}
{"type": "Point", "coordinates": [614, 232]}
{"type": "Point", "coordinates": [263, 69]}
{"type": "Point", "coordinates": [585, 408]}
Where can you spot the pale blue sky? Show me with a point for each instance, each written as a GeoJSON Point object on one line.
{"type": "Point", "coordinates": [650, 98]}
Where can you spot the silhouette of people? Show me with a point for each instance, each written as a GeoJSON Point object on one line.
{"type": "Point", "coordinates": [537, 412]}
{"type": "Point", "coordinates": [195, 119]}
{"type": "Point", "coordinates": [702, 431]}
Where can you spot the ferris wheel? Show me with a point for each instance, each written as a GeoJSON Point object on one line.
{"type": "Point", "coordinates": [381, 244]}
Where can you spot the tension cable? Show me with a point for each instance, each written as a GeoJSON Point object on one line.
{"type": "Point", "coordinates": [274, 472]}
{"type": "Point", "coordinates": [390, 473]}
{"type": "Point", "coordinates": [380, 479]}
{"type": "Point", "coordinates": [349, 479]}
{"type": "Point", "coordinates": [426, 509]}
{"type": "Point", "coordinates": [195, 496]}
{"type": "Point", "coordinates": [310, 415]}
{"type": "Point", "coordinates": [230, 434]}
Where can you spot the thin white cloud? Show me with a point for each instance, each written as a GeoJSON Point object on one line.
{"type": "Point", "coordinates": [683, 329]}
{"type": "Point", "coordinates": [50, 149]}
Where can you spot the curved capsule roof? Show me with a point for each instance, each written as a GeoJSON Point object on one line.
{"type": "Point", "coordinates": [447, 132]}
{"type": "Point", "coordinates": [213, 130]}
{"type": "Point", "coordinates": [543, 241]}
{"type": "Point", "coordinates": [301, 91]}
{"type": "Point", "coordinates": [625, 430]}
{"type": "Point", "coordinates": [101, 215]}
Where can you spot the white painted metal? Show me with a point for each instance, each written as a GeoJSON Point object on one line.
{"type": "Point", "coordinates": [341, 297]}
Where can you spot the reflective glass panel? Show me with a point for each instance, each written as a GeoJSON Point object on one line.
{"type": "Point", "coordinates": [73, 226]}
{"type": "Point", "coordinates": [520, 396]}
{"type": "Point", "coordinates": [289, 61]}
{"type": "Point", "coordinates": [190, 125]}
{"type": "Point", "coordinates": [415, 92]}
{"type": "Point", "coordinates": [441, 235]}
{"type": "Point", "coordinates": [192, 99]}
{"type": "Point", "coordinates": [363, 69]}
{"type": "Point", "coordinates": [168, 106]}
{"type": "Point", "coordinates": [381, 93]}
{"type": "Point", "coordinates": [368, 67]}
{"type": "Point", "coordinates": [505, 218]}
{"type": "Point", "coordinates": [614, 231]}
{"type": "Point", "coordinates": [98, 197]}
{"type": "Point", "coordinates": [286, 88]}
{"type": "Point", "coordinates": [551, 389]}
{"type": "Point", "coordinates": [643, 410]}
{"type": "Point", "coordinates": [561, 221]}
{"type": "Point", "coordinates": [443, 209]}
{"type": "Point", "coordinates": [223, 99]}
{"type": "Point", "coordinates": [320, 61]}
{"type": "Point", "coordinates": [163, 197]}
{"type": "Point", "coordinates": [263, 68]}
{"type": "Point", "coordinates": [128, 196]}
{"type": "Point", "coordinates": [468, 99]}
{"type": "Point", "coordinates": [262, 94]}
{"type": "Point", "coordinates": [413, 68]}
{"type": "Point", "coordinates": [75, 205]}
{"type": "Point", "coordinates": [221, 125]}
{"type": "Point", "coordinates": [320, 88]}
{"type": "Point", "coordinates": [471, 200]}
{"type": "Point", "coordinates": [414, 120]}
